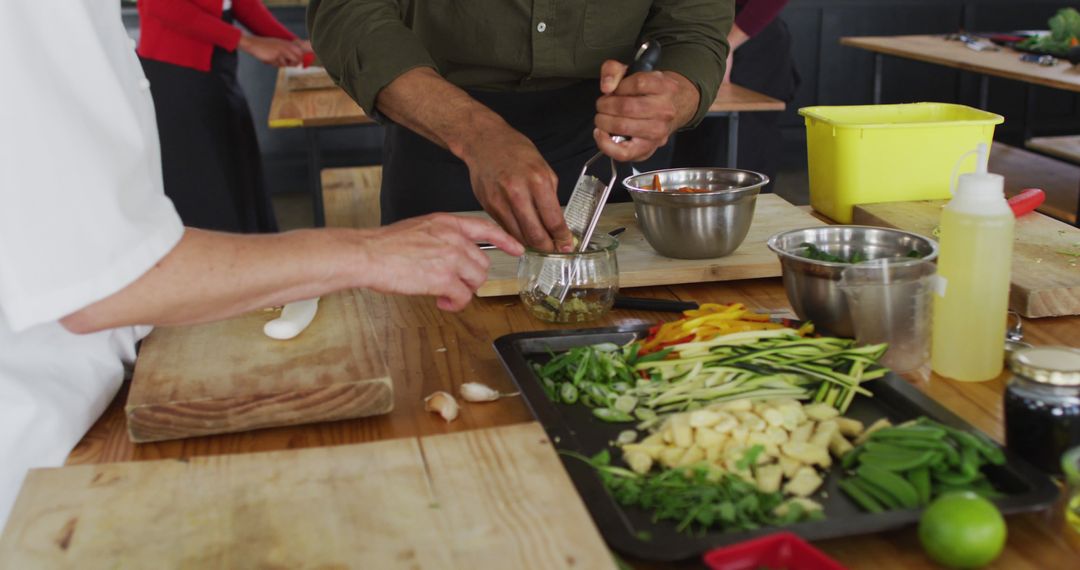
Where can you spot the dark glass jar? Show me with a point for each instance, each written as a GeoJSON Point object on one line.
{"type": "Point", "coordinates": [1042, 405]}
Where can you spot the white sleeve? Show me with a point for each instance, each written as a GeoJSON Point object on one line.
{"type": "Point", "coordinates": [82, 209]}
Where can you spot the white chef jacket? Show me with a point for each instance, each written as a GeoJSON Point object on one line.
{"type": "Point", "coordinates": [82, 215]}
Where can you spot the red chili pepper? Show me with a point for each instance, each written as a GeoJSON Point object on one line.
{"type": "Point", "coordinates": [1026, 201]}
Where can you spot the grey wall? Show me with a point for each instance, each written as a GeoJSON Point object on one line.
{"type": "Point", "coordinates": [832, 75]}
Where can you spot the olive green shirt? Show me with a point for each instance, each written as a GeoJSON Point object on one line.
{"type": "Point", "coordinates": [515, 45]}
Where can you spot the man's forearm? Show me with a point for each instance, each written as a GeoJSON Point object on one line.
{"type": "Point", "coordinates": [687, 99]}
{"type": "Point", "coordinates": [212, 275]}
{"type": "Point", "coordinates": [425, 103]}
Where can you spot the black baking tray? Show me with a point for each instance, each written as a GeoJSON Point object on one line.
{"type": "Point", "coordinates": [630, 531]}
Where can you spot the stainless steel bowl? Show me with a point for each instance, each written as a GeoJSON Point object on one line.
{"type": "Point", "coordinates": [696, 225]}
{"type": "Point", "coordinates": [813, 286]}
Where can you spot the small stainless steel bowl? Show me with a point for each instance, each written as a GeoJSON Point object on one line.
{"type": "Point", "coordinates": [698, 225]}
{"type": "Point", "coordinates": [813, 286]}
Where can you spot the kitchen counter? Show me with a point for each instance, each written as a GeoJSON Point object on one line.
{"type": "Point", "coordinates": [429, 350]}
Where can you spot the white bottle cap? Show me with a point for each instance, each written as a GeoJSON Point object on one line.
{"type": "Point", "coordinates": [979, 191]}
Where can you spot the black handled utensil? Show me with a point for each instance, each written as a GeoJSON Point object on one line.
{"type": "Point", "coordinates": [659, 305]}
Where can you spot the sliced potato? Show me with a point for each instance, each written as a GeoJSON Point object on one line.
{"type": "Point", "coordinates": [804, 483]}
{"type": "Point", "coordinates": [726, 424]}
{"type": "Point", "coordinates": [638, 461]}
{"type": "Point", "coordinates": [708, 438]}
{"type": "Point", "coordinates": [802, 433]}
{"type": "Point", "coordinates": [684, 435]}
{"type": "Point", "coordinates": [807, 453]}
{"type": "Point", "coordinates": [693, 455]}
{"type": "Point", "coordinates": [820, 411]}
{"type": "Point", "coordinates": [704, 418]}
{"type": "Point", "coordinates": [823, 433]}
{"type": "Point", "coordinates": [839, 445]}
{"type": "Point", "coordinates": [736, 406]}
{"type": "Point", "coordinates": [769, 478]}
{"type": "Point", "coordinates": [773, 417]}
{"type": "Point", "coordinates": [670, 457]}
{"type": "Point", "coordinates": [848, 426]}
{"type": "Point", "coordinates": [865, 435]}
{"type": "Point", "coordinates": [789, 465]}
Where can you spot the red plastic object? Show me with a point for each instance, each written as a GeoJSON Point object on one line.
{"type": "Point", "coordinates": [1027, 201]}
{"type": "Point", "coordinates": [780, 550]}
{"type": "Point", "coordinates": [309, 58]}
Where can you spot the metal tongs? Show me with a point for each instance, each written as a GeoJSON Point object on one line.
{"type": "Point", "coordinates": [587, 201]}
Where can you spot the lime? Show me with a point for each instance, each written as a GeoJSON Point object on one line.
{"type": "Point", "coordinates": [962, 530]}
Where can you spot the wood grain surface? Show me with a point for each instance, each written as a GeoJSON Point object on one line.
{"type": "Point", "coordinates": [312, 100]}
{"type": "Point", "coordinates": [1024, 169]}
{"type": "Point", "coordinates": [1003, 63]}
{"type": "Point", "coordinates": [351, 196]}
{"type": "Point", "coordinates": [312, 107]}
{"type": "Point", "coordinates": [489, 498]}
{"type": "Point", "coordinates": [1066, 148]}
{"type": "Point", "coordinates": [228, 376]}
{"type": "Point", "coordinates": [641, 266]}
{"type": "Point", "coordinates": [1045, 281]}
{"type": "Point", "coordinates": [300, 79]}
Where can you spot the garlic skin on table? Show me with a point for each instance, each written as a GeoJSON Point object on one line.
{"type": "Point", "coordinates": [477, 392]}
{"type": "Point", "coordinates": [442, 403]}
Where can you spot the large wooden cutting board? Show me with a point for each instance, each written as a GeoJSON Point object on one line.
{"type": "Point", "coordinates": [1045, 282]}
{"type": "Point", "coordinates": [492, 498]}
{"type": "Point", "coordinates": [228, 376]}
{"type": "Point", "coordinates": [641, 266]}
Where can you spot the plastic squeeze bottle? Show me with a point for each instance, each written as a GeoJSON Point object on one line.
{"type": "Point", "coordinates": [971, 296]}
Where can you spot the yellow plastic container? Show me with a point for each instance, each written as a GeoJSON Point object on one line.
{"type": "Point", "coordinates": [868, 154]}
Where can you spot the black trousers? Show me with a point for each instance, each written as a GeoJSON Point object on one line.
{"type": "Point", "coordinates": [763, 64]}
{"type": "Point", "coordinates": [209, 152]}
{"type": "Point", "coordinates": [419, 177]}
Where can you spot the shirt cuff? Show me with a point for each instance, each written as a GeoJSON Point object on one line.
{"type": "Point", "coordinates": [702, 66]}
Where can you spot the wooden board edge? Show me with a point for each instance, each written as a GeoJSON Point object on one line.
{"type": "Point", "coordinates": [227, 415]}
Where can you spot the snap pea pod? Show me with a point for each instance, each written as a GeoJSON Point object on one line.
{"type": "Point", "coordinates": [891, 483]}
{"type": "Point", "coordinates": [879, 495]}
{"type": "Point", "coordinates": [862, 498]}
{"type": "Point", "coordinates": [899, 461]}
{"type": "Point", "coordinates": [920, 480]}
{"type": "Point", "coordinates": [952, 456]}
{"type": "Point", "coordinates": [910, 432]}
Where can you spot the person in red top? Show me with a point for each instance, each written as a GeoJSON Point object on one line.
{"type": "Point", "coordinates": [760, 59]}
{"type": "Point", "coordinates": [209, 152]}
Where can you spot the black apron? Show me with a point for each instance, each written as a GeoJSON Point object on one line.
{"type": "Point", "coordinates": [209, 151]}
{"type": "Point", "coordinates": [763, 64]}
{"type": "Point", "coordinates": [419, 177]}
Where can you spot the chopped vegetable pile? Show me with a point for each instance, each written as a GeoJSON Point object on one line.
{"type": "Point", "coordinates": [811, 251]}
{"type": "Point", "coordinates": [701, 499]}
{"type": "Point", "coordinates": [683, 189]}
{"type": "Point", "coordinates": [909, 465]}
{"type": "Point", "coordinates": [1064, 34]}
{"type": "Point", "coordinates": [641, 380]}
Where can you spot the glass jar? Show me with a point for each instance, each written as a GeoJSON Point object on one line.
{"type": "Point", "coordinates": [590, 278]}
{"type": "Point", "coordinates": [1042, 405]}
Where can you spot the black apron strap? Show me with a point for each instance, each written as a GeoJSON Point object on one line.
{"type": "Point", "coordinates": [419, 177]}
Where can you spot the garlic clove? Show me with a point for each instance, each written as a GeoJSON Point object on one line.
{"type": "Point", "coordinates": [477, 392]}
{"type": "Point", "coordinates": [443, 403]}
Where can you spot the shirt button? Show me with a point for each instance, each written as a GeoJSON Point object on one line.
{"type": "Point", "coordinates": [144, 84]}
{"type": "Point", "coordinates": [541, 27]}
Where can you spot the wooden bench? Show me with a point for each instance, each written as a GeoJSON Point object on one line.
{"type": "Point", "coordinates": [351, 196]}
{"type": "Point", "coordinates": [1065, 148]}
{"type": "Point", "coordinates": [1025, 169]}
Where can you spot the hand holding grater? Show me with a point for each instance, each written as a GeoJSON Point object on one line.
{"type": "Point", "coordinates": [587, 200]}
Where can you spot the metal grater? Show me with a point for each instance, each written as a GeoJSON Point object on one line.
{"type": "Point", "coordinates": [587, 202]}
{"type": "Point", "coordinates": [582, 213]}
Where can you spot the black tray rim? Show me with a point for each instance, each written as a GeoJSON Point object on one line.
{"type": "Point", "coordinates": [611, 521]}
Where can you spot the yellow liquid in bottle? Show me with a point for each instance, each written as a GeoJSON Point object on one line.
{"type": "Point", "coordinates": [970, 319]}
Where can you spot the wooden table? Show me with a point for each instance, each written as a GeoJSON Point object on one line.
{"type": "Point", "coordinates": [314, 109]}
{"type": "Point", "coordinates": [1004, 63]}
{"type": "Point", "coordinates": [428, 350]}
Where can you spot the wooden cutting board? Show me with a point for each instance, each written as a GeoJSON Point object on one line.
{"type": "Point", "coordinates": [641, 266]}
{"type": "Point", "coordinates": [228, 376]}
{"type": "Point", "coordinates": [492, 498]}
{"type": "Point", "coordinates": [1045, 282]}
{"type": "Point", "coordinates": [300, 79]}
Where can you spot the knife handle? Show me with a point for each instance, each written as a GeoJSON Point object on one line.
{"type": "Point", "coordinates": [660, 305]}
